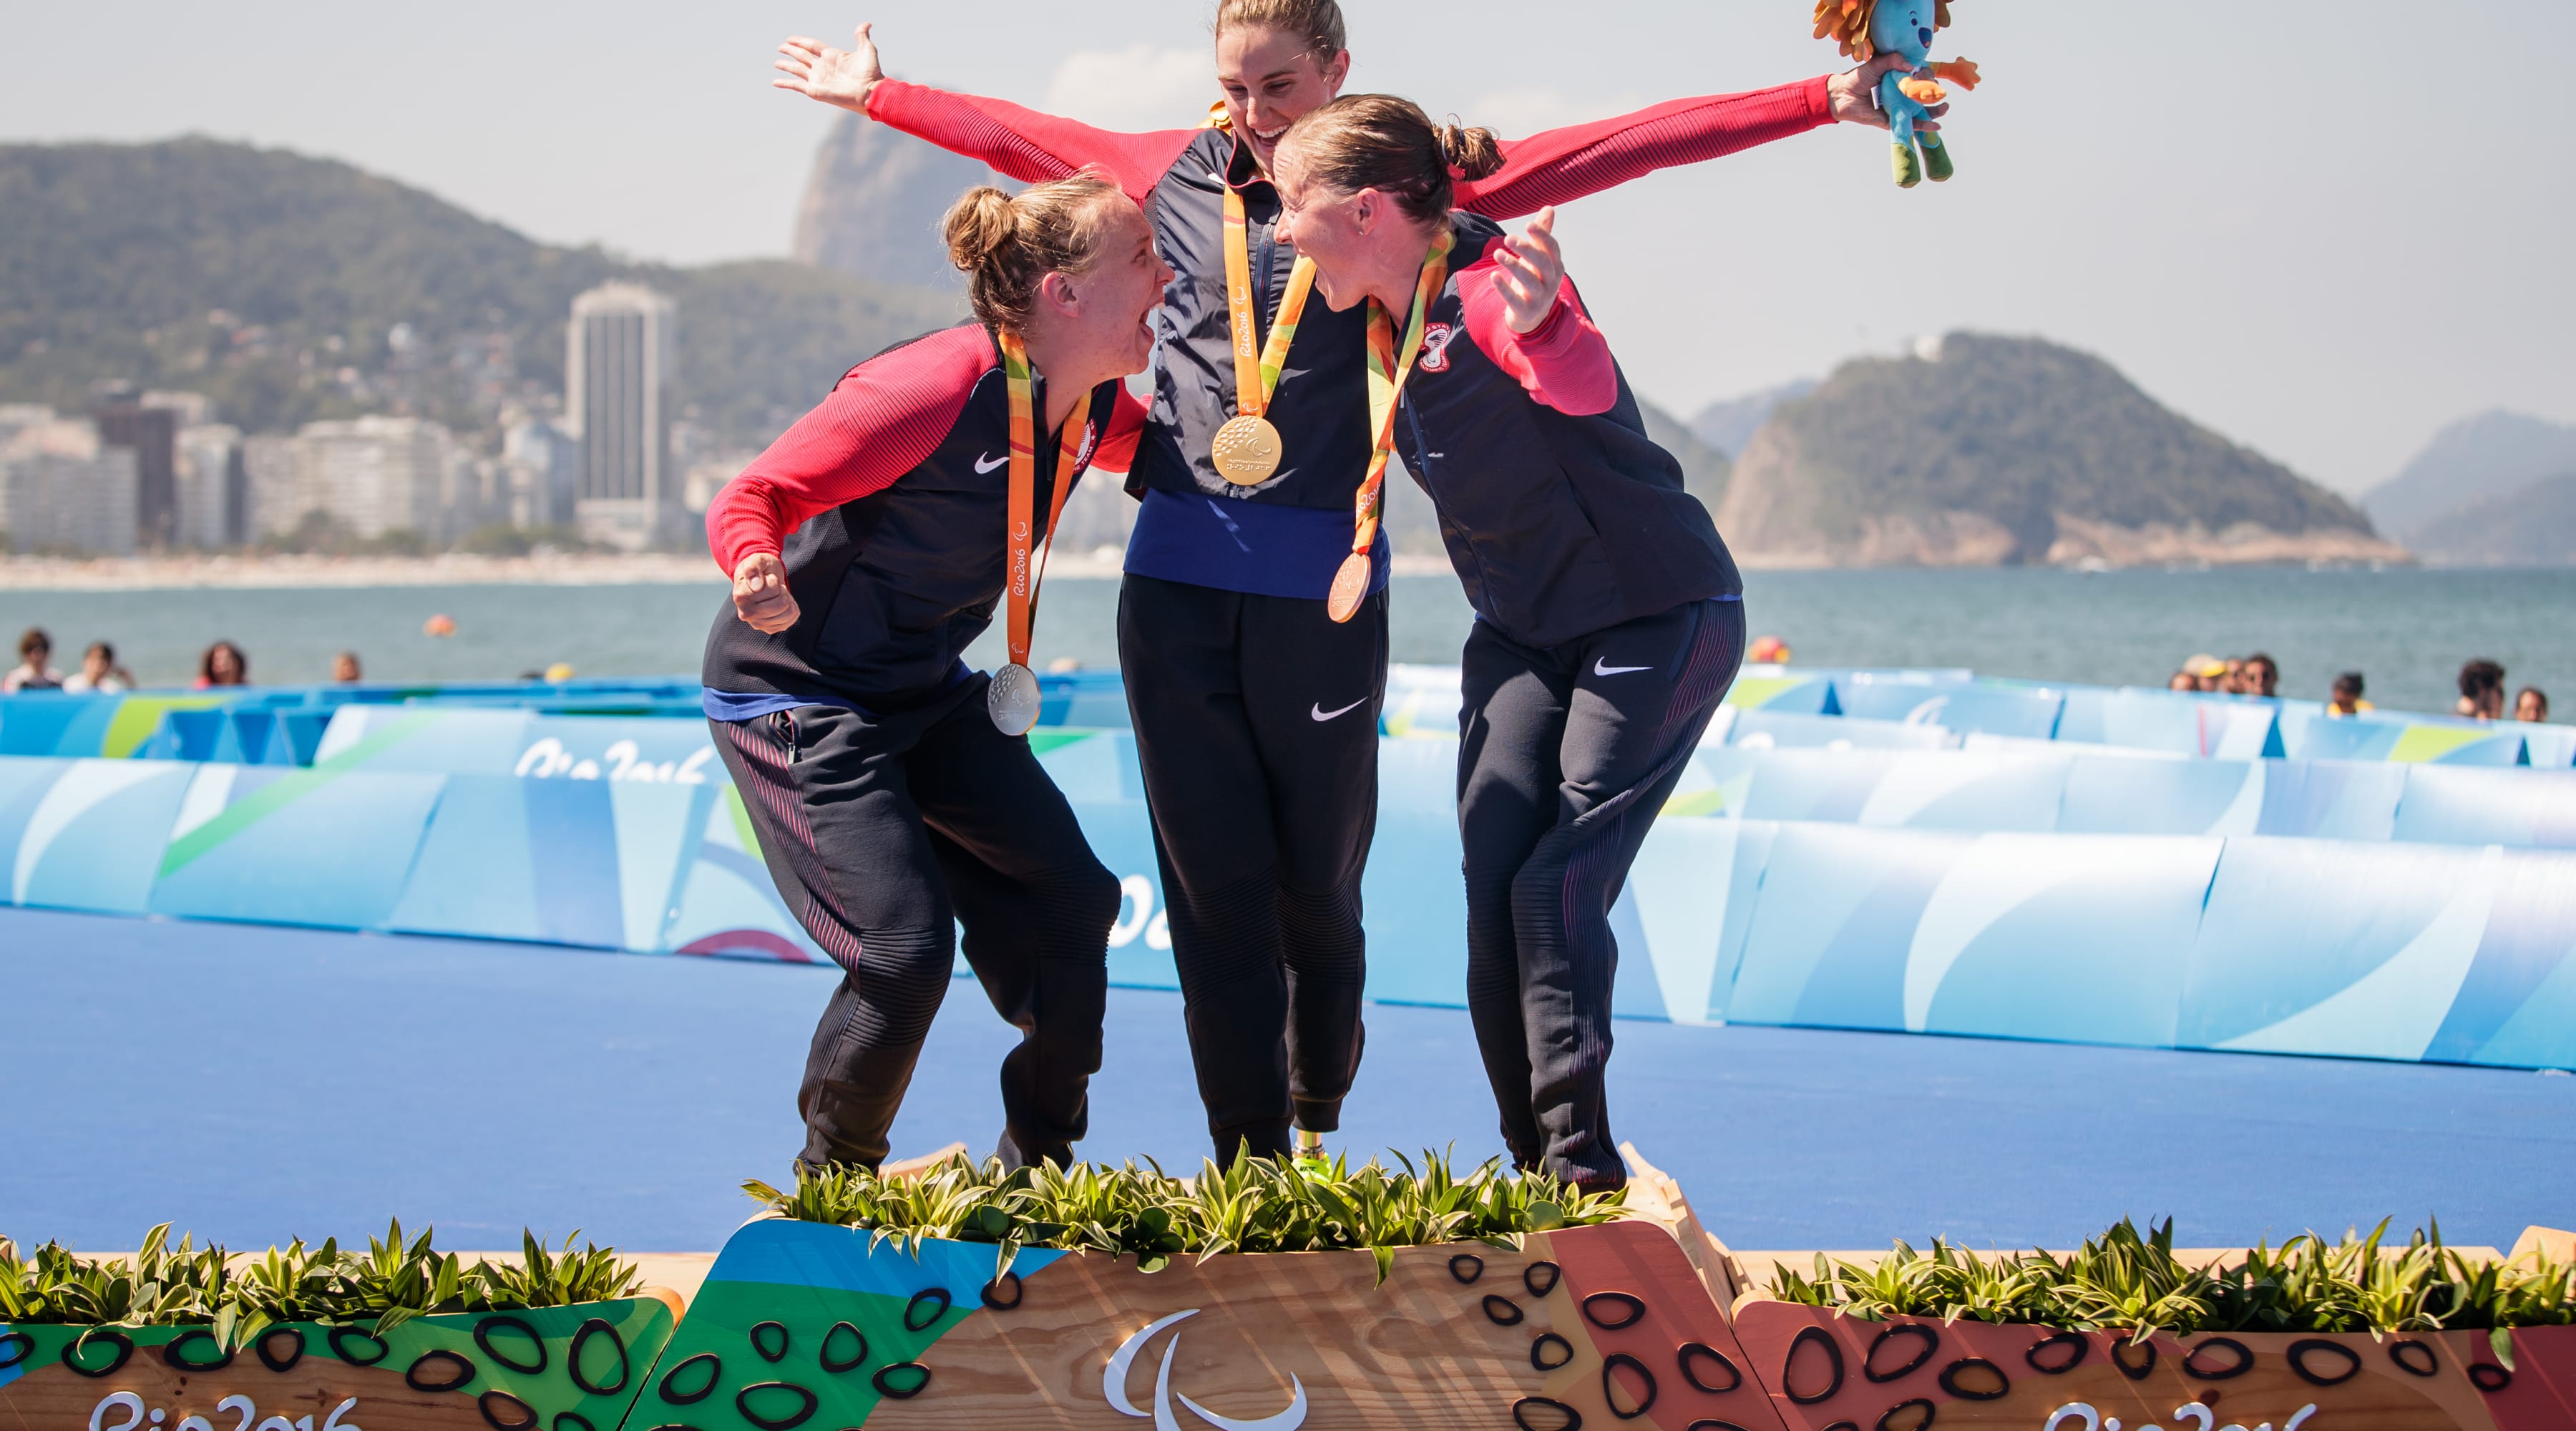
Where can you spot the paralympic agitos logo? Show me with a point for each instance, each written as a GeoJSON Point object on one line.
{"type": "Point", "coordinates": [1113, 1387]}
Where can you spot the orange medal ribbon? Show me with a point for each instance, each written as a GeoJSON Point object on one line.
{"type": "Point", "coordinates": [1387, 373]}
{"type": "Point", "coordinates": [1012, 699]}
{"type": "Point", "coordinates": [1247, 448]}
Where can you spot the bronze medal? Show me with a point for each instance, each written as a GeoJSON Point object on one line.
{"type": "Point", "coordinates": [1350, 587]}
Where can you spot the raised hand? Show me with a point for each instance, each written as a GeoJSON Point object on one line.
{"type": "Point", "coordinates": [1531, 270]}
{"type": "Point", "coordinates": [1854, 93]}
{"type": "Point", "coordinates": [760, 594]}
{"type": "Point", "coordinates": [838, 77]}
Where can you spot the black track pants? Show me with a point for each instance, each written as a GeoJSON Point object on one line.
{"type": "Point", "coordinates": [1565, 757]}
{"type": "Point", "coordinates": [1256, 727]}
{"type": "Point", "coordinates": [885, 833]}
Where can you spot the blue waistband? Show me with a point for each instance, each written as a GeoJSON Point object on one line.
{"type": "Point", "coordinates": [1259, 548]}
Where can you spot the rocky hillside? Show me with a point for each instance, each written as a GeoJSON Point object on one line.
{"type": "Point", "coordinates": [1730, 423]}
{"type": "Point", "coordinates": [2477, 460]}
{"type": "Point", "coordinates": [2529, 526]}
{"type": "Point", "coordinates": [873, 203]}
{"type": "Point", "coordinates": [2006, 451]}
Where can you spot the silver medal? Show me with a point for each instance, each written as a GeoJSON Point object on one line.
{"type": "Point", "coordinates": [1012, 699]}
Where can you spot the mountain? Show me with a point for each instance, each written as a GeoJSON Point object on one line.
{"type": "Point", "coordinates": [289, 288]}
{"type": "Point", "coordinates": [2486, 456]}
{"type": "Point", "coordinates": [1730, 424]}
{"type": "Point", "coordinates": [2530, 526]}
{"type": "Point", "coordinates": [873, 203]}
{"type": "Point", "coordinates": [1989, 451]}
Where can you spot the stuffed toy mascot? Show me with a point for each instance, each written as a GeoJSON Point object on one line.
{"type": "Point", "coordinates": [1865, 28]}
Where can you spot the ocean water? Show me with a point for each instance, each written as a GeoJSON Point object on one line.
{"type": "Point", "coordinates": [2408, 631]}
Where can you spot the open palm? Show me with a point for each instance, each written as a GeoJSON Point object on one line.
{"type": "Point", "coordinates": [839, 77]}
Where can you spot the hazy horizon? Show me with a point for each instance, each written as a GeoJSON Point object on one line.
{"type": "Point", "coordinates": [2328, 290]}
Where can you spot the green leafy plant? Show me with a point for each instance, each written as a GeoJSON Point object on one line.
{"type": "Point", "coordinates": [2126, 1280]}
{"type": "Point", "coordinates": [1257, 1205]}
{"type": "Point", "coordinates": [237, 1298]}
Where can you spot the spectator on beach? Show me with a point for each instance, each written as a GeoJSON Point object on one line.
{"type": "Point", "coordinates": [2205, 671]}
{"type": "Point", "coordinates": [99, 672]}
{"type": "Point", "coordinates": [2347, 696]}
{"type": "Point", "coordinates": [223, 665]}
{"type": "Point", "coordinates": [2259, 676]}
{"type": "Point", "coordinates": [34, 671]}
{"type": "Point", "coordinates": [2532, 706]}
{"type": "Point", "coordinates": [344, 669]}
{"type": "Point", "coordinates": [2231, 680]}
{"type": "Point", "coordinates": [2183, 681]}
{"type": "Point", "coordinates": [2481, 690]}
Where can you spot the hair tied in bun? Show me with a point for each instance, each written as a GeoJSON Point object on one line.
{"type": "Point", "coordinates": [1470, 153]}
{"type": "Point", "coordinates": [1007, 246]}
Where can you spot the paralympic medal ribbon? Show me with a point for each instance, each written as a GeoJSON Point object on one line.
{"type": "Point", "coordinates": [1387, 372]}
{"type": "Point", "coordinates": [1247, 448]}
{"type": "Point", "coordinates": [1014, 692]}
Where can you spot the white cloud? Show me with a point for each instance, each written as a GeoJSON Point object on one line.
{"type": "Point", "coordinates": [1142, 87]}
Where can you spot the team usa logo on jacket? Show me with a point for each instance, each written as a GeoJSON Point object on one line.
{"type": "Point", "coordinates": [1090, 441]}
{"type": "Point", "coordinates": [1435, 347]}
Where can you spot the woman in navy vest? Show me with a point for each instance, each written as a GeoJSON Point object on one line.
{"type": "Point", "coordinates": [893, 790]}
{"type": "Point", "coordinates": [1609, 620]}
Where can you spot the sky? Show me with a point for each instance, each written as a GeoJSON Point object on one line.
{"type": "Point", "coordinates": [2324, 231]}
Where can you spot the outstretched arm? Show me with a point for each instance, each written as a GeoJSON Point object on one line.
{"type": "Point", "coordinates": [1561, 165]}
{"type": "Point", "coordinates": [1022, 143]}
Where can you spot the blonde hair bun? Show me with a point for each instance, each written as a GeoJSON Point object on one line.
{"type": "Point", "coordinates": [1007, 244]}
{"type": "Point", "coordinates": [978, 225]}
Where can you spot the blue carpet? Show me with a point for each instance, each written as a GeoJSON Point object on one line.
{"type": "Point", "coordinates": [256, 1084]}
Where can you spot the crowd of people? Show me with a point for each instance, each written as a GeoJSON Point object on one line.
{"type": "Point", "coordinates": [222, 664]}
{"type": "Point", "coordinates": [2482, 686]}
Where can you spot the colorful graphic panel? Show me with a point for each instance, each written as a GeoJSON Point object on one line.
{"type": "Point", "coordinates": [803, 1324]}
{"type": "Point", "coordinates": [567, 1368]}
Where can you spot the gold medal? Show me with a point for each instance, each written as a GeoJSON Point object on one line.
{"type": "Point", "coordinates": [1246, 451]}
{"type": "Point", "coordinates": [1350, 587]}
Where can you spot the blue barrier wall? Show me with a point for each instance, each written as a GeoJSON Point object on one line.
{"type": "Point", "coordinates": [2132, 867]}
{"type": "Point", "coordinates": [1770, 706]}
{"type": "Point", "coordinates": [2388, 950]}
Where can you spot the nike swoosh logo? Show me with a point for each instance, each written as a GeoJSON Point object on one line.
{"type": "Point", "coordinates": [1322, 714]}
{"type": "Point", "coordinates": [1599, 669]}
{"type": "Point", "coordinates": [987, 464]}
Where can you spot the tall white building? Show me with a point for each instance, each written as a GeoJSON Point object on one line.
{"type": "Point", "coordinates": [378, 474]}
{"type": "Point", "coordinates": [213, 487]}
{"type": "Point", "coordinates": [617, 377]}
{"type": "Point", "coordinates": [273, 472]}
{"type": "Point", "coordinates": [62, 489]}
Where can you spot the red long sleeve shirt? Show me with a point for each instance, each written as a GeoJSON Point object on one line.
{"type": "Point", "coordinates": [1555, 166]}
{"type": "Point", "coordinates": [890, 506]}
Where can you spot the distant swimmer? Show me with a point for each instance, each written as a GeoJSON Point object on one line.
{"type": "Point", "coordinates": [1610, 619]}
{"type": "Point", "coordinates": [892, 790]}
{"type": "Point", "coordinates": [1263, 814]}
